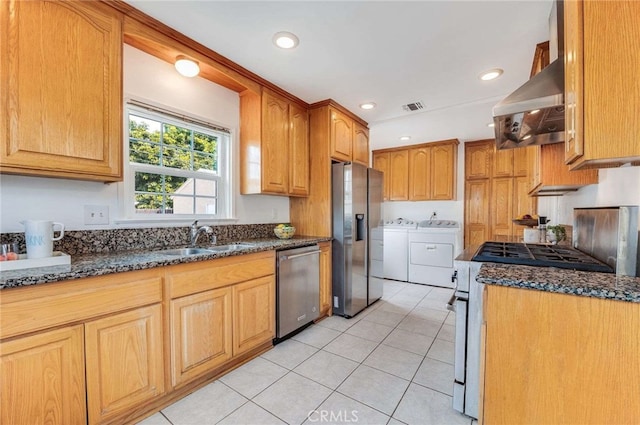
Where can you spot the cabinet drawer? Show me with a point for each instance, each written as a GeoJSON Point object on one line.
{"type": "Point", "coordinates": [193, 278]}
{"type": "Point", "coordinates": [28, 309]}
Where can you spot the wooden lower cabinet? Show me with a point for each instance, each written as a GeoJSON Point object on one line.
{"type": "Point", "coordinates": [477, 228]}
{"type": "Point", "coordinates": [554, 358]}
{"type": "Point", "coordinates": [200, 333]}
{"type": "Point", "coordinates": [253, 313]}
{"type": "Point", "coordinates": [51, 365]}
{"type": "Point", "coordinates": [326, 279]}
{"type": "Point", "coordinates": [124, 359]}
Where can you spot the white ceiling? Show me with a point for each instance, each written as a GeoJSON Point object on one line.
{"type": "Point", "coordinates": [387, 52]}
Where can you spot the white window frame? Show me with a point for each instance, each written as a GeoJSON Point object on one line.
{"type": "Point", "coordinates": [224, 199]}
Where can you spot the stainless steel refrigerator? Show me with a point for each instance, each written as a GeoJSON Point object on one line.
{"type": "Point", "coordinates": [357, 207]}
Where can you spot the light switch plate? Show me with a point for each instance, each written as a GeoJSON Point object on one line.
{"type": "Point", "coordinates": [96, 214]}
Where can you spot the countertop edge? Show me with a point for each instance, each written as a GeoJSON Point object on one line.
{"type": "Point", "coordinates": [93, 265]}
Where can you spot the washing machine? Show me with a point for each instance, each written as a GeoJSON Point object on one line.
{"type": "Point", "coordinates": [396, 248]}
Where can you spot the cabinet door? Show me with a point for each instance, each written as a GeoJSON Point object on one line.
{"type": "Point", "coordinates": [43, 378]}
{"type": "Point", "coordinates": [62, 89]}
{"type": "Point", "coordinates": [443, 172]}
{"type": "Point", "coordinates": [381, 162]}
{"type": "Point", "coordinates": [275, 144]}
{"type": "Point", "coordinates": [325, 279]}
{"type": "Point", "coordinates": [501, 208]}
{"type": "Point", "coordinates": [521, 161]}
{"type": "Point", "coordinates": [341, 136]}
{"type": "Point", "coordinates": [399, 170]}
{"type": "Point", "coordinates": [124, 355]}
{"type": "Point", "coordinates": [298, 151]}
{"type": "Point", "coordinates": [476, 211]}
{"type": "Point", "coordinates": [478, 159]}
{"type": "Point", "coordinates": [253, 313]}
{"type": "Point", "coordinates": [573, 60]}
{"type": "Point", "coordinates": [200, 333]}
{"type": "Point", "coordinates": [535, 176]}
{"type": "Point", "coordinates": [522, 202]}
{"type": "Point", "coordinates": [420, 179]}
{"type": "Point", "coordinates": [360, 144]}
{"type": "Point", "coordinates": [503, 162]}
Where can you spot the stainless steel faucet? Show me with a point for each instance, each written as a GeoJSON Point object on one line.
{"type": "Point", "coordinates": [197, 231]}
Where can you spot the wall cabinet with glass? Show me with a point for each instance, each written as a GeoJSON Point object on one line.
{"type": "Point", "coordinates": [62, 90]}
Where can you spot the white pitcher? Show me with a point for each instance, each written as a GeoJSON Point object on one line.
{"type": "Point", "coordinates": [38, 235]}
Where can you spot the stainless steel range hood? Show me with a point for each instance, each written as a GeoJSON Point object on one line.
{"type": "Point", "coordinates": [534, 113]}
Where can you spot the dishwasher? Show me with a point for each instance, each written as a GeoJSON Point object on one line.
{"type": "Point", "coordinates": [297, 289]}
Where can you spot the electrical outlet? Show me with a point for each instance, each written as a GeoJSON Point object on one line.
{"type": "Point", "coordinates": [96, 214]}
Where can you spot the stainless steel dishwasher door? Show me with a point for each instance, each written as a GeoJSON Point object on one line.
{"type": "Point", "coordinates": [298, 289]}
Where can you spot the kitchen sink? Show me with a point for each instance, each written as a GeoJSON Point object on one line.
{"type": "Point", "coordinates": [231, 247]}
{"type": "Point", "coordinates": [186, 251]}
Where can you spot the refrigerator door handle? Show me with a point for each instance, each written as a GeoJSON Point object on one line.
{"type": "Point", "coordinates": [360, 227]}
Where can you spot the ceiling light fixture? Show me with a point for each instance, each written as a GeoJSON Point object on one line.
{"type": "Point", "coordinates": [368, 105]}
{"type": "Point", "coordinates": [187, 67]}
{"type": "Point", "coordinates": [285, 40]}
{"type": "Point", "coordinates": [492, 74]}
{"type": "Point", "coordinates": [405, 138]}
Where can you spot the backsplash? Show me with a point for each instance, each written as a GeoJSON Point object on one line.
{"type": "Point", "coordinates": [77, 242]}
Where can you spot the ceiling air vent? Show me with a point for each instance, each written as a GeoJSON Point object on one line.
{"type": "Point", "coordinates": [415, 106]}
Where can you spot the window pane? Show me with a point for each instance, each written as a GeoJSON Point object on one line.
{"type": "Point", "coordinates": [148, 182]}
{"type": "Point", "coordinates": [206, 206]}
{"type": "Point", "coordinates": [182, 204]}
{"type": "Point", "coordinates": [144, 129]}
{"type": "Point", "coordinates": [206, 188]}
{"type": "Point", "coordinates": [205, 143]}
{"type": "Point", "coordinates": [178, 185]}
{"type": "Point", "coordinates": [148, 204]}
{"type": "Point", "coordinates": [204, 162]}
{"type": "Point", "coordinates": [177, 136]}
{"type": "Point", "coordinates": [144, 153]}
{"type": "Point", "coordinates": [176, 158]}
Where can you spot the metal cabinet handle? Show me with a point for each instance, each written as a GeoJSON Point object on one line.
{"type": "Point", "coordinates": [291, 257]}
{"type": "Point", "coordinates": [431, 247]}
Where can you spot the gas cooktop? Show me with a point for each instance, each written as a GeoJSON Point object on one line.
{"type": "Point", "coordinates": [539, 255]}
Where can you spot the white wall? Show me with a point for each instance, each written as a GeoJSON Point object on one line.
{"type": "Point", "coordinates": [148, 79]}
{"type": "Point", "coordinates": [617, 186]}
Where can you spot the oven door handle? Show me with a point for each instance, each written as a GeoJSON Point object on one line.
{"type": "Point", "coordinates": [451, 304]}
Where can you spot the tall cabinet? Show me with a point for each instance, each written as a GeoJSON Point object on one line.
{"type": "Point", "coordinates": [497, 184]}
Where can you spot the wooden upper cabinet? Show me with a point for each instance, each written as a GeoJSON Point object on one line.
{"type": "Point", "coordinates": [479, 159]}
{"type": "Point", "coordinates": [553, 177]}
{"type": "Point", "coordinates": [420, 174]}
{"type": "Point", "coordinates": [444, 158]}
{"type": "Point", "coordinates": [341, 136]}
{"type": "Point", "coordinates": [61, 84]}
{"type": "Point", "coordinates": [503, 162]}
{"type": "Point", "coordinates": [502, 208]}
{"type": "Point", "coordinates": [43, 378]}
{"type": "Point", "coordinates": [602, 64]}
{"type": "Point", "coordinates": [360, 144]}
{"type": "Point", "coordinates": [298, 151]}
{"type": "Point", "coordinates": [477, 211]}
{"type": "Point", "coordinates": [274, 145]}
{"type": "Point", "coordinates": [399, 175]}
{"type": "Point", "coordinates": [522, 161]}
{"type": "Point", "coordinates": [381, 163]}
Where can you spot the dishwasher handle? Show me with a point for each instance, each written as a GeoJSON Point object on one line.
{"type": "Point", "coordinates": [291, 257]}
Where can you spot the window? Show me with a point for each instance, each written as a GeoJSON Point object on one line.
{"type": "Point", "coordinates": [177, 166]}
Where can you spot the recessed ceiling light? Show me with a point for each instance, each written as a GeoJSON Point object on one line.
{"type": "Point", "coordinates": [405, 138]}
{"type": "Point", "coordinates": [285, 40]}
{"type": "Point", "coordinates": [491, 74]}
{"type": "Point", "coordinates": [491, 124]}
{"type": "Point", "coordinates": [368, 105]}
{"type": "Point", "coordinates": [186, 66]}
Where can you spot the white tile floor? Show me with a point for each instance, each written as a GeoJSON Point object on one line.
{"type": "Point", "coordinates": [391, 364]}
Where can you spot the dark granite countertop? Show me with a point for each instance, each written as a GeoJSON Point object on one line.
{"type": "Point", "coordinates": [562, 281]}
{"type": "Point", "coordinates": [88, 265]}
